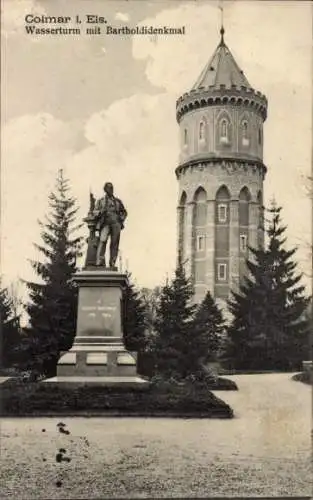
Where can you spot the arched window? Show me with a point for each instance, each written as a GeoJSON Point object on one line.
{"type": "Point", "coordinates": [183, 199]}
{"type": "Point", "coordinates": [244, 194]}
{"type": "Point", "coordinates": [245, 133]}
{"type": "Point", "coordinates": [224, 130]}
{"type": "Point", "coordinates": [222, 205]}
{"type": "Point", "coordinates": [185, 137]}
{"type": "Point", "coordinates": [200, 207]}
{"type": "Point", "coordinates": [260, 136]}
{"type": "Point", "coordinates": [244, 198]}
{"type": "Point", "coordinates": [201, 131]}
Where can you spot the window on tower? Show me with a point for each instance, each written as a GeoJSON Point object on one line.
{"type": "Point", "coordinates": [185, 137]}
{"type": "Point", "coordinates": [243, 242]}
{"type": "Point", "coordinates": [222, 212]}
{"type": "Point", "coordinates": [245, 133]}
{"type": "Point", "coordinates": [201, 131]}
{"type": "Point", "coordinates": [222, 272]}
{"type": "Point", "coordinates": [260, 136]}
{"type": "Point", "coordinates": [224, 131]}
{"type": "Point", "coordinates": [200, 243]}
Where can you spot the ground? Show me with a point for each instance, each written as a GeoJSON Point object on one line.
{"type": "Point", "coordinates": [264, 450]}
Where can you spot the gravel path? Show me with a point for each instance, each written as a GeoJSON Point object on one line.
{"type": "Point", "coordinates": [265, 450]}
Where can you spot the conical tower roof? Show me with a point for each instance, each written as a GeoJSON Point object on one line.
{"type": "Point", "coordinates": [221, 82]}
{"type": "Point", "coordinates": [221, 69]}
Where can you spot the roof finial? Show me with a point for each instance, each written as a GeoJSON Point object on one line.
{"type": "Point", "coordinates": [222, 30]}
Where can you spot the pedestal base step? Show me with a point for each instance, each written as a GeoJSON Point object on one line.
{"type": "Point", "coordinates": [97, 380]}
{"type": "Point", "coordinates": [100, 362]}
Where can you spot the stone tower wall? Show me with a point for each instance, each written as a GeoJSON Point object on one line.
{"type": "Point", "coordinates": [210, 144]}
{"type": "Point", "coordinates": [208, 164]}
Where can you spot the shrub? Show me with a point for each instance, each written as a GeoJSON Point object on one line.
{"type": "Point", "coordinates": [306, 377]}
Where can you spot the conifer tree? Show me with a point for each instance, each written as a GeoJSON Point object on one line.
{"type": "Point", "coordinates": [150, 298]}
{"type": "Point", "coordinates": [146, 360]}
{"type": "Point", "coordinates": [134, 318]}
{"type": "Point", "coordinates": [10, 330]}
{"type": "Point", "coordinates": [53, 301]}
{"type": "Point", "coordinates": [174, 343]}
{"type": "Point", "coordinates": [209, 327]}
{"type": "Point", "coordinates": [269, 329]}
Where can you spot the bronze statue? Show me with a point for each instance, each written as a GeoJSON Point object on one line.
{"type": "Point", "coordinates": [105, 219]}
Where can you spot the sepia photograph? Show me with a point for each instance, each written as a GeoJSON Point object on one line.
{"type": "Point", "coordinates": [156, 271]}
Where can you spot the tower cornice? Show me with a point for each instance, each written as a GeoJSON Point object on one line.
{"type": "Point", "coordinates": [214, 96]}
{"type": "Point", "coordinates": [231, 164]}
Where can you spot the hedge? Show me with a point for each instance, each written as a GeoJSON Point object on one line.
{"type": "Point", "coordinates": [157, 399]}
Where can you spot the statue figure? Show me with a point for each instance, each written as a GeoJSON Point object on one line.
{"type": "Point", "coordinates": [109, 215]}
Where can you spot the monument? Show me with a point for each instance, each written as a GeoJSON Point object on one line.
{"type": "Point", "coordinates": [98, 353]}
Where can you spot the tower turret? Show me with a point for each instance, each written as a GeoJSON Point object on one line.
{"type": "Point", "coordinates": [220, 174]}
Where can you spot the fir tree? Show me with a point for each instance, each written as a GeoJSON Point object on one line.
{"type": "Point", "coordinates": [146, 360]}
{"type": "Point", "coordinates": [209, 327]}
{"type": "Point", "coordinates": [53, 302]}
{"type": "Point", "coordinates": [269, 329]}
{"type": "Point", "coordinates": [151, 299]}
{"type": "Point", "coordinates": [134, 318]}
{"type": "Point", "coordinates": [10, 330]}
{"type": "Point", "coordinates": [174, 343]}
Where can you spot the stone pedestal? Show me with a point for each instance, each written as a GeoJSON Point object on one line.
{"type": "Point", "coordinates": [98, 353]}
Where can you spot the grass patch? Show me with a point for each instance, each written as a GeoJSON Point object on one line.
{"type": "Point", "coordinates": [162, 399]}
{"type": "Point", "coordinates": [304, 377]}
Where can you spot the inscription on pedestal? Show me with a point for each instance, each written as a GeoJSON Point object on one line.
{"type": "Point", "coordinates": [95, 358]}
{"type": "Point", "coordinates": [99, 312]}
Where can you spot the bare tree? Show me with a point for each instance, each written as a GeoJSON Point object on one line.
{"type": "Point", "coordinates": [151, 299]}
{"type": "Point", "coordinates": [15, 292]}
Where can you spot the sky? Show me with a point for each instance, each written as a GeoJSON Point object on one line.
{"type": "Point", "coordinates": [102, 108]}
